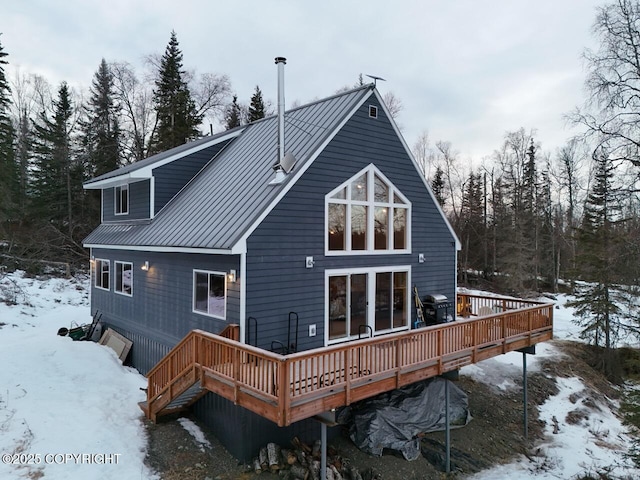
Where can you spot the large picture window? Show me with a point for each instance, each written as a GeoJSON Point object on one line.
{"type": "Point", "coordinates": [210, 293]}
{"type": "Point", "coordinates": [102, 273]}
{"type": "Point", "coordinates": [367, 214]}
{"type": "Point", "coordinates": [366, 302]}
{"type": "Point", "coordinates": [122, 200]}
{"type": "Point", "coordinates": [124, 278]}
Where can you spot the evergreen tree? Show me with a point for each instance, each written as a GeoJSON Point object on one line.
{"type": "Point", "coordinates": [24, 148]}
{"type": "Point", "coordinates": [57, 179]}
{"type": "Point", "coordinates": [101, 130]}
{"type": "Point", "coordinates": [472, 227]}
{"type": "Point", "coordinates": [177, 116]}
{"type": "Point", "coordinates": [595, 303]}
{"type": "Point", "coordinates": [257, 106]}
{"type": "Point", "coordinates": [437, 185]}
{"type": "Point", "coordinates": [233, 114]}
{"type": "Point", "coordinates": [9, 185]}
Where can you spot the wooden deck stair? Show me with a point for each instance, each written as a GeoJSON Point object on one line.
{"type": "Point", "coordinates": [184, 388]}
{"type": "Point", "coordinates": [289, 388]}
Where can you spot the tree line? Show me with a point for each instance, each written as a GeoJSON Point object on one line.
{"type": "Point", "coordinates": [54, 139]}
{"type": "Point", "coordinates": [531, 220]}
{"type": "Point", "coordinates": [528, 220]}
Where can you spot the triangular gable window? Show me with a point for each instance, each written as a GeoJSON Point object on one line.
{"type": "Point", "coordinates": [367, 214]}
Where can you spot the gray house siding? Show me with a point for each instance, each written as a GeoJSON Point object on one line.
{"type": "Point", "coordinates": [171, 177]}
{"type": "Point", "coordinates": [277, 280]}
{"type": "Point", "coordinates": [243, 432]}
{"type": "Point", "coordinates": [159, 313]}
{"type": "Point", "coordinates": [139, 202]}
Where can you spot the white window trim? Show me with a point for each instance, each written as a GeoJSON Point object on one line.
{"type": "Point", "coordinates": [99, 274]}
{"type": "Point", "coordinates": [371, 294]}
{"type": "Point", "coordinates": [115, 198]}
{"type": "Point", "coordinates": [376, 110]}
{"type": "Point", "coordinates": [193, 297]}
{"type": "Point", "coordinates": [371, 171]}
{"type": "Point", "coordinates": [115, 279]}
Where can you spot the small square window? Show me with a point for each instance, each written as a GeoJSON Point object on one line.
{"type": "Point", "coordinates": [373, 111]}
{"type": "Point", "coordinates": [210, 293]}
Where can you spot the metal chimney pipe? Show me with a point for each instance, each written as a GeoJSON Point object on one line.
{"type": "Point", "coordinates": [280, 62]}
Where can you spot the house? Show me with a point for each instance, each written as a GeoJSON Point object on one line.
{"type": "Point", "coordinates": [310, 249]}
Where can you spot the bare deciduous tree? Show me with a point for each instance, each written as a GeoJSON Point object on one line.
{"type": "Point", "coordinates": [394, 104]}
{"type": "Point", "coordinates": [136, 101]}
{"type": "Point", "coordinates": [611, 114]}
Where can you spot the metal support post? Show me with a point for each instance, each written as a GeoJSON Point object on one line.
{"type": "Point", "coordinates": [447, 429]}
{"type": "Point", "coordinates": [524, 394]}
{"type": "Point", "coordinates": [323, 450]}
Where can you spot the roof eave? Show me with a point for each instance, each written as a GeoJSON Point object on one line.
{"type": "Point", "coordinates": [165, 249]}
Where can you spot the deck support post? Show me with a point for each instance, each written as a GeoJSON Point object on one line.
{"type": "Point", "coordinates": [447, 428]}
{"type": "Point", "coordinates": [524, 396]}
{"type": "Point", "coordinates": [531, 350]}
{"type": "Point", "coordinates": [323, 450]}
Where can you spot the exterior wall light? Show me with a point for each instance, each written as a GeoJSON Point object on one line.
{"type": "Point", "coordinates": [231, 276]}
{"type": "Point", "coordinates": [145, 266]}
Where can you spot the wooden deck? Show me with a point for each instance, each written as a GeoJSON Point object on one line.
{"type": "Point", "coordinates": [286, 389]}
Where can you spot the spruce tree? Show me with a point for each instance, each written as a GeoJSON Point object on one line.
{"type": "Point", "coordinates": [101, 130]}
{"type": "Point", "coordinates": [472, 226]}
{"type": "Point", "coordinates": [9, 185]}
{"type": "Point", "coordinates": [57, 179]}
{"type": "Point", "coordinates": [437, 185]}
{"type": "Point", "coordinates": [595, 303]}
{"type": "Point", "coordinates": [177, 116]}
{"type": "Point", "coordinates": [233, 114]}
{"type": "Point", "coordinates": [257, 106]}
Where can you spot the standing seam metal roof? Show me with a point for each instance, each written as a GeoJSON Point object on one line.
{"type": "Point", "coordinates": [228, 196]}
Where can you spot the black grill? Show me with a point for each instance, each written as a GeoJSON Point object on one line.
{"type": "Point", "coordinates": [437, 309]}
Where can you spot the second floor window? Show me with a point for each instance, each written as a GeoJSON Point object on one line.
{"type": "Point", "coordinates": [367, 214]}
{"type": "Point", "coordinates": [122, 200]}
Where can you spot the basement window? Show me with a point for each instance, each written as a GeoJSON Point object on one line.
{"type": "Point", "coordinates": [210, 293]}
{"type": "Point", "coordinates": [373, 111]}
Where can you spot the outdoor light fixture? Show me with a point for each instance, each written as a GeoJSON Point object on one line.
{"type": "Point", "coordinates": [232, 276]}
{"type": "Point", "coordinates": [145, 266]}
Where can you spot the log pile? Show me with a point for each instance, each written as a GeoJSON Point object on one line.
{"type": "Point", "coordinates": [302, 462]}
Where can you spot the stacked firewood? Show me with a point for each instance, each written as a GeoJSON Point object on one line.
{"type": "Point", "coordinates": [302, 462]}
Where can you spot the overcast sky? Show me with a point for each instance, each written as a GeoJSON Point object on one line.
{"type": "Point", "coordinates": [466, 71]}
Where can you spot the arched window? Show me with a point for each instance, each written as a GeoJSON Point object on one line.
{"type": "Point", "coordinates": [367, 214]}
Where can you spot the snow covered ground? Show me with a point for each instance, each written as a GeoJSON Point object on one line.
{"type": "Point", "coordinates": [597, 443]}
{"type": "Point", "coordinates": [68, 410]}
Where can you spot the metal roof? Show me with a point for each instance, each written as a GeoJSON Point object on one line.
{"type": "Point", "coordinates": [159, 159]}
{"type": "Point", "coordinates": [232, 193]}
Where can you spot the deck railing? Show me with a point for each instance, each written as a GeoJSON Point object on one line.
{"type": "Point", "coordinates": [289, 388]}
